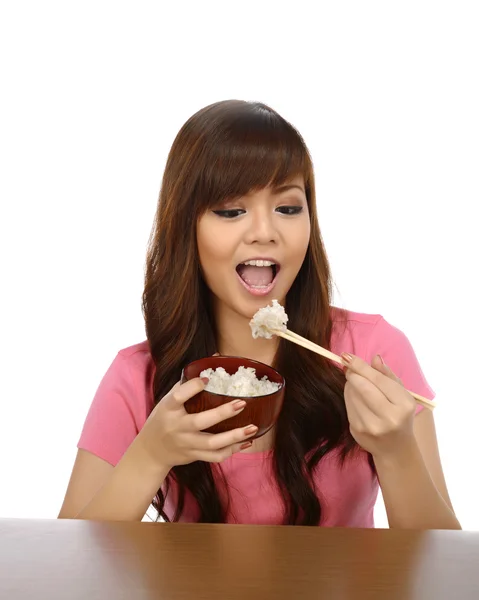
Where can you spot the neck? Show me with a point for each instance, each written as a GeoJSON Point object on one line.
{"type": "Point", "coordinates": [235, 339]}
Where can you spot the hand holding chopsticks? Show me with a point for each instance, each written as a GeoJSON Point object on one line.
{"type": "Point", "coordinates": [301, 341]}
{"type": "Point", "coordinates": [271, 320]}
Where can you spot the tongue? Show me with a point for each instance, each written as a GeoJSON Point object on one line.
{"type": "Point", "coordinates": [261, 276]}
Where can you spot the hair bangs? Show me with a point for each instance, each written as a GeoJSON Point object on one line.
{"type": "Point", "coordinates": [255, 149]}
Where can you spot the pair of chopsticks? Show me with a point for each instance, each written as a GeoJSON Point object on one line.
{"type": "Point", "coordinates": [301, 341]}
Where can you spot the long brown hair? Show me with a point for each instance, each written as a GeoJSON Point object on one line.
{"type": "Point", "coordinates": [227, 150]}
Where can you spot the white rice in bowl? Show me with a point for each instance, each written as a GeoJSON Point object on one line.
{"type": "Point", "coordinates": [243, 383]}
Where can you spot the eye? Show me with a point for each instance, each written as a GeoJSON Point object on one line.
{"type": "Point", "coordinates": [229, 214]}
{"type": "Point", "coordinates": [290, 210]}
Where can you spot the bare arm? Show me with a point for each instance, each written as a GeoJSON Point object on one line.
{"type": "Point", "coordinates": [170, 436]}
{"type": "Point", "coordinates": [99, 491]}
{"type": "Point", "coordinates": [413, 484]}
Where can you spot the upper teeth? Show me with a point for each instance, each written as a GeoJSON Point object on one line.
{"type": "Point", "coordinates": [259, 263]}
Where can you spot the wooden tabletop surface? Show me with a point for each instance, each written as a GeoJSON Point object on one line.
{"type": "Point", "coordinates": [62, 560]}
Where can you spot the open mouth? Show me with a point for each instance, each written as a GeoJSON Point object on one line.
{"type": "Point", "coordinates": [258, 276]}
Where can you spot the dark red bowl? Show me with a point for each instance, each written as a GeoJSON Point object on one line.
{"type": "Point", "coordinates": [262, 411]}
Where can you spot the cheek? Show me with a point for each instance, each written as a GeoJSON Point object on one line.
{"type": "Point", "coordinates": [306, 235]}
{"type": "Point", "coordinates": [300, 239]}
{"type": "Point", "coordinates": [214, 247]}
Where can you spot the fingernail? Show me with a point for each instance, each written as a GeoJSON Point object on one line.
{"type": "Point", "coordinates": [246, 445]}
{"type": "Point", "coordinates": [239, 404]}
{"type": "Point", "coordinates": [381, 359]}
{"type": "Point", "coordinates": [347, 358]}
{"type": "Point", "coordinates": [205, 380]}
{"type": "Point", "coordinates": [250, 429]}
{"type": "Point", "coordinates": [216, 354]}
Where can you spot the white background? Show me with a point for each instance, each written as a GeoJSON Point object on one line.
{"type": "Point", "coordinates": [93, 93]}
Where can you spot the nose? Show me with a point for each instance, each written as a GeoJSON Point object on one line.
{"type": "Point", "coordinates": [261, 229]}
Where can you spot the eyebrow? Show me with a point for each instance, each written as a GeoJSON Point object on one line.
{"type": "Point", "coordinates": [286, 188]}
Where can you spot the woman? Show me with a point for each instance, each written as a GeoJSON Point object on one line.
{"type": "Point", "coordinates": [238, 188]}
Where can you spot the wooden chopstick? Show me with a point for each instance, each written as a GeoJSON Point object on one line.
{"type": "Point", "coordinates": [301, 341]}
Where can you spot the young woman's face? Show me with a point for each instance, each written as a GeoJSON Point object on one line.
{"type": "Point", "coordinates": [269, 231]}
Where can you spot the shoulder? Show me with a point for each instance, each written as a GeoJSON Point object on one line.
{"type": "Point", "coordinates": [134, 367]}
{"type": "Point", "coordinates": [127, 383]}
{"type": "Point", "coordinates": [355, 329]}
{"type": "Point", "coordinates": [138, 354]}
{"type": "Point", "coordinates": [339, 315]}
{"type": "Point", "coordinates": [121, 404]}
{"type": "Point", "coordinates": [366, 334]}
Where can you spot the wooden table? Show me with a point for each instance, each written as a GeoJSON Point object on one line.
{"type": "Point", "coordinates": [66, 560]}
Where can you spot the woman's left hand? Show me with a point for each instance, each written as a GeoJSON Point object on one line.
{"type": "Point", "coordinates": [380, 410]}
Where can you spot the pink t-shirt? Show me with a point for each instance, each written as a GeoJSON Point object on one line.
{"type": "Point", "coordinates": [347, 494]}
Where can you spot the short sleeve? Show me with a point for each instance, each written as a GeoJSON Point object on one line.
{"type": "Point", "coordinates": [397, 352]}
{"type": "Point", "coordinates": [115, 417]}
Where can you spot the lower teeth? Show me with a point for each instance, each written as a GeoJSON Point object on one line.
{"type": "Point", "coordinates": [258, 287]}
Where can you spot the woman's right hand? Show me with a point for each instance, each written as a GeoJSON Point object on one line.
{"type": "Point", "coordinates": [171, 436]}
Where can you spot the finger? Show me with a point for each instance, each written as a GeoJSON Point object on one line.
{"type": "Point", "coordinates": [218, 456]}
{"type": "Point", "coordinates": [187, 390]}
{"type": "Point", "coordinates": [379, 364]}
{"type": "Point", "coordinates": [364, 399]}
{"type": "Point", "coordinates": [363, 420]}
{"type": "Point", "coordinates": [351, 410]}
{"type": "Point", "coordinates": [385, 384]}
{"type": "Point", "coordinates": [208, 418]}
{"type": "Point", "coordinates": [217, 441]}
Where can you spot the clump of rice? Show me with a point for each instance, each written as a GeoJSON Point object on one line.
{"type": "Point", "coordinates": [243, 383]}
{"type": "Point", "coordinates": [268, 320]}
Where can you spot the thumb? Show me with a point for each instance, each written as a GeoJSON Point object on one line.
{"type": "Point", "coordinates": [379, 364]}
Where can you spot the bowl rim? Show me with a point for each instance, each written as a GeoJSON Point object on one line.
{"type": "Point", "coordinates": [251, 360]}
